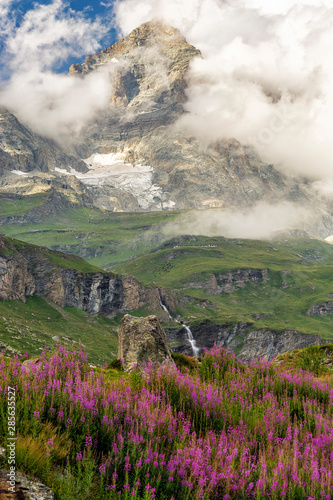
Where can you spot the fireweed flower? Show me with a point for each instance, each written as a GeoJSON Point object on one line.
{"type": "Point", "coordinates": [227, 431]}
{"type": "Point", "coordinates": [88, 441]}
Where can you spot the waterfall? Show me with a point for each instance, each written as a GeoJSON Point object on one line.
{"type": "Point", "coordinates": [164, 307]}
{"type": "Point", "coordinates": [190, 337]}
{"type": "Point", "coordinates": [191, 340]}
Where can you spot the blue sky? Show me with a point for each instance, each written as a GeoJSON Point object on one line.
{"type": "Point", "coordinates": [17, 12]}
{"type": "Point", "coordinates": [92, 8]}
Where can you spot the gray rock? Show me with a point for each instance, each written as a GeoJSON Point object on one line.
{"type": "Point", "coordinates": [21, 149]}
{"type": "Point", "coordinates": [26, 270]}
{"type": "Point", "coordinates": [227, 283]}
{"type": "Point", "coordinates": [25, 489]}
{"type": "Point", "coordinates": [323, 309]}
{"type": "Point", "coordinates": [267, 344]}
{"type": "Point", "coordinates": [141, 340]}
{"type": "Point", "coordinates": [247, 342]}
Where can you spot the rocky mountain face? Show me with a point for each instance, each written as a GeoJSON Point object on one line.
{"type": "Point", "coordinates": [23, 151]}
{"type": "Point", "coordinates": [243, 339]}
{"type": "Point", "coordinates": [138, 147]}
{"type": "Point", "coordinates": [26, 270]}
{"type": "Point", "coordinates": [136, 157]}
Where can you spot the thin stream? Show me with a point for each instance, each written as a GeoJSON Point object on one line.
{"type": "Point", "coordinates": [190, 337]}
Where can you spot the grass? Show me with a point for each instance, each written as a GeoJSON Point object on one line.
{"type": "Point", "coordinates": [317, 359]}
{"type": "Point", "coordinates": [29, 326]}
{"type": "Point", "coordinates": [56, 259]}
{"type": "Point", "coordinates": [11, 206]}
{"type": "Point", "coordinates": [103, 238]}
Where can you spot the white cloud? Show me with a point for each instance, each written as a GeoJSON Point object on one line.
{"type": "Point", "coordinates": [57, 105]}
{"type": "Point", "coordinates": [263, 221]}
{"type": "Point", "coordinates": [266, 76]}
{"type": "Point", "coordinates": [7, 23]}
{"type": "Point", "coordinates": [51, 33]}
{"type": "Point", "coordinates": [52, 104]}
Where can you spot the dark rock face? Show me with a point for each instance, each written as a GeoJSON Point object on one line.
{"type": "Point", "coordinates": [266, 344]}
{"type": "Point", "coordinates": [242, 339]}
{"type": "Point", "coordinates": [23, 150]}
{"type": "Point", "coordinates": [323, 309]}
{"type": "Point", "coordinates": [208, 334]}
{"type": "Point", "coordinates": [141, 340]}
{"type": "Point", "coordinates": [227, 283]}
{"type": "Point", "coordinates": [32, 270]}
{"type": "Point", "coordinates": [178, 339]}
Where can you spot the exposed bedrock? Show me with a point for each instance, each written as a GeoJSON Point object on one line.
{"type": "Point", "coordinates": [36, 270]}
{"type": "Point", "coordinates": [242, 339]}
{"type": "Point", "coordinates": [323, 309]}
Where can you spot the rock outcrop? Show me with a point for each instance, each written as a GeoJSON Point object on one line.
{"type": "Point", "coordinates": [27, 269]}
{"type": "Point", "coordinates": [215, 284]}
{"type": "Point", "coordinates": [23, 151]}
{"type": "Point", "coordinates": [141, 340]}
{"type": "Point", "coordinates": [322, 309]}
{"type": "Point", "coordinates": [243, 339]}
{"type": "Point", "coordinates": [267, 344]}
{"type": "Point", "coordinates": [25, 489]}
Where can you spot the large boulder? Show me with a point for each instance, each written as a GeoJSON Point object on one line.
{"type": "Point", "coordinates": [141, 340]}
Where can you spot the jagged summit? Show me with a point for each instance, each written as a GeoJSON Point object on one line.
{"type": "Point", "coordinates": [148, 68]}
{"type": "Point", "coordinates": [169, 41]}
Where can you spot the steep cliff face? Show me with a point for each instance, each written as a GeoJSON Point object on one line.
{"type": "Point", "coordinates": [69, 281]}
{"type": "Point", "coordinates": [23, 151]}
{"type": "Point", "coordinates": [16, 281]}
{"type": "Point", "coordinates": [149, 69]}
{"type": "Point", "coordinates": [242, 338]}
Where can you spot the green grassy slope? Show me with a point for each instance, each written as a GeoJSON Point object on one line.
{"type": "Point", "coordinates": [103, 238]}
{"type": "Point", "coordinates": [28, 326]}
{"type": "Point", "coordinates": [56, 259]}
{"type": "Point", "coordinates": [20, 205]}
{"type": "Point", "coordinates": [295, 283]}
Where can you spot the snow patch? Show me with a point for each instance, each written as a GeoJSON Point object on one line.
{"type": "Point", "coordinates": [111, 170]}
{"type": "Point", "coordinates": [62, 171]}
{"type": "Point", "coordinates": [19, 172]}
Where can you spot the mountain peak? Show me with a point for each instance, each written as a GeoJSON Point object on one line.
{"type": "Point", "coordinates": [169, 42]}
{"type": "Point", "coordinates": [155, 31]}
